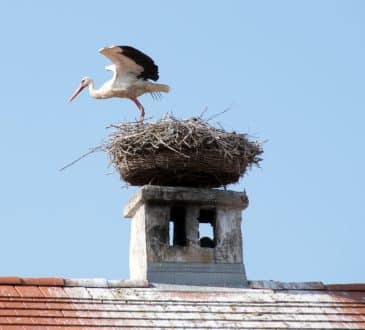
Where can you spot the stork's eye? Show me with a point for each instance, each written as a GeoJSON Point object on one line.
{"type": "Point", "coordinates": [83, 80]}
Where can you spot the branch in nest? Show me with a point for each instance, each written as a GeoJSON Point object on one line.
{"type": "Point", "coordinates": [95, 149]}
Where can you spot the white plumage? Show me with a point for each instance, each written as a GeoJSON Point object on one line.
{"type": "Point", "coordinates": [132, 72]}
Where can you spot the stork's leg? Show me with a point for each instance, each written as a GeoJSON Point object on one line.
{"type": "Point", "coordinates": [140, 107]}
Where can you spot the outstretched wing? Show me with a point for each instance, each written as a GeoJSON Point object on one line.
{"type": "Point", "coordinates": [131, 61]}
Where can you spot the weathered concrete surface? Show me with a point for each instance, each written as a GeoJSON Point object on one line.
{"type": "Point", "coordinates": [219, 275]}
{"type": "Point", "coordinates": [104, 283]}
{"type": "Point", "coordinates": [137, 247]}
{"type": "Point", "coordinates": [207, 197]}
{"type": "Point", "coordinates": [229, 236]}
{"type": "Point", "coordinates": [150, 242]}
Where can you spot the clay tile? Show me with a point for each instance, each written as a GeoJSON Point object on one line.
{"type": "Point", "coordinates": [10, 280]}
{"type": "Point", "coordinates": [28, 291]}
{"type": "Point", "coordinates": [8, 291]}
{"type": "Point", "coordinates": [346, 287]}
{"type": "Point", "coordinates": [53, 292]}
{"type": "Point", "coordinates": [44, 281]}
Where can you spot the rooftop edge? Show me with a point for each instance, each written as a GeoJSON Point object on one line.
{"type": "Point", "coordinates": [104, 283]}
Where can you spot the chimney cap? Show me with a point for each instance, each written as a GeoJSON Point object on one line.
{"type": "Point", "coordinates": [150, 193]}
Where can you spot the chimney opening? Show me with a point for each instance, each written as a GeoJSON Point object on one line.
{"type": "Point", "coordinates": [177, 231]}
{"type": "Point", "coordinates": [206, 220]}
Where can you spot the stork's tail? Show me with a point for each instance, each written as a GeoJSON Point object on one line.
{"type": "Point", "coordinates": [158, 88]}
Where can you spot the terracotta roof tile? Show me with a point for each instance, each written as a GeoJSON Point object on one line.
{"type": "Point", "coordinates": [34, 303]}
{"type": "Point", "coordinates": [44, 281]}
{"type": "Point", "coordinates": [77, 292]}
{"type": "Point", "coordinates": [10, 280]}
{"type": "Point", "coordinates": [53, 292]}
{"type": "Point", "coordinates": [346, 287]}
{"type": "Point", "coordinates": [8, 291]}
{"type": "Point", "coordinates": [21, 321]}
{"type": "Point", "coordinates": [5, 303]}
{"type": "Point", "coordinates": [34, 313]}
{"type": "Point", "coordinates": [65, 321]}
{"type": "Point", "coordinates": [28, 291]}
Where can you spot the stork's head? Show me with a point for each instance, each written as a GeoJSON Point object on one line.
{"type": "Point", "coordinates": [84, 82]}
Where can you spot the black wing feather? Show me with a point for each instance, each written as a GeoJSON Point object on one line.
{"type": "Point", "coordinates": [150, 69]}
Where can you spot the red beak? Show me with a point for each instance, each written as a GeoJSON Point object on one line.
{"type": "Point", "coordinates": [77, 92]}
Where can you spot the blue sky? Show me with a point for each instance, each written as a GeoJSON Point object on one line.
{"type": "Point", "coordinates": [292, 72]}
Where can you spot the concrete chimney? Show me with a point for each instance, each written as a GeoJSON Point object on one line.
{"type": "Point", "coordinates": [166, 244]}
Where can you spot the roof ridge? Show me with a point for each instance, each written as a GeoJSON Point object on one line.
{"type": "Point", "coordinates": [277, 285]}
{"type": "Point", "coordinates": [104, 283]}
{"type": "Point", "coordinates": [79, 282]}
{"type": "Point", "coordinates": [41, 281]}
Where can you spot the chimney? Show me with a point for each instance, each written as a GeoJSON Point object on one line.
{"type": "Point", "coordinates": [167, 246]}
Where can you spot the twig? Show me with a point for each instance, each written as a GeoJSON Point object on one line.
{"type": "Point", "coordinates": [218, 114]}
{"type": "Point", "coordinates": [98, 148]}
{"type": "Point", "coordinates": [203, 112]}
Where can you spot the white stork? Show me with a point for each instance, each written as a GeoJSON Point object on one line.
{"type": "Point", "coordinates": [132, 70]}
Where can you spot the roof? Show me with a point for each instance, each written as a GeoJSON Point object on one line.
{"type": "Point", "coordinates": [55, 303]}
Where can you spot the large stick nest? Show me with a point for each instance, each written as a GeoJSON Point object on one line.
{"type": "Point", "coordinates": [175, 152]}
